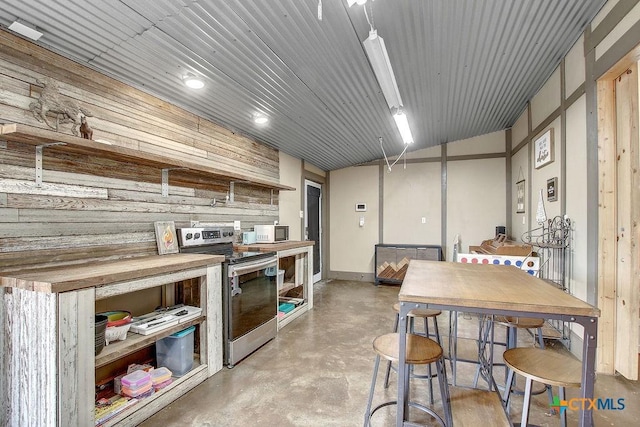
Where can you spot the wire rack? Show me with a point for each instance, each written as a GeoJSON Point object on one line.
{"type": "Point", "coordinates": [552, 241]}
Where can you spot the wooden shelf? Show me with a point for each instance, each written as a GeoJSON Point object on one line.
{"type": "Point", "coordinates": [135, 342]}
{"type": "Point", "coordinates": [286, 287]}
{"type": "Point", "coordinates": [37, 136]}
{"type": "Point", "coordinates": [172, 392]}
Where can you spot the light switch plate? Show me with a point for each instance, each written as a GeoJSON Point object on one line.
{"type": "Point", "coordinates": [236, 225]}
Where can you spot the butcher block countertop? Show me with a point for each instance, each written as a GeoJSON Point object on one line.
{"type": "Point", "coordinates": [94, 274]}
{"type": "Point", "coordinates": [279, 246]}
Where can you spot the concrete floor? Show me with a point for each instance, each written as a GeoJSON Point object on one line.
{"type": "Point", "coordinates": [317, 372]}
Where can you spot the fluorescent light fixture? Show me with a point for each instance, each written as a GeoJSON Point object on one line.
{"type": "Point", "coordinates": [403, 126]}
{"type": "Point", "coordinates": [192, 81]}
{"type": "Point", "coordinates": [260, 119]}
{"type": "Point", "coordinates": [359, 2]}
{"type": "Point", "coordinates": [25, 29]}
{"type": "Point", "coordinates": [379, 59]}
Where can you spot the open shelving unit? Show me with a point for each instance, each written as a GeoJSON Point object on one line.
{"type": "Point", "coordinates": [180, 169]}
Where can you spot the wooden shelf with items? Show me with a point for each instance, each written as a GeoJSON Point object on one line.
{"type": "Point", "coordinates": [146, 407]}
{"type": "Point", "coordinates": [52, 140]}
{"type": "Point", "coordinates": [135, 342]}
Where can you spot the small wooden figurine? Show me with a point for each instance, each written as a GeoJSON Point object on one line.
{"type": "Point", "coordinates": [85, 130]}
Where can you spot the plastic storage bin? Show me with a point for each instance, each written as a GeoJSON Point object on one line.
{"type": "Point", "coordinates": [136, 379]}
{"type": "Point", "coordinates": [175, 352]}
{"type": "Point", "coordinates": [280, 279]}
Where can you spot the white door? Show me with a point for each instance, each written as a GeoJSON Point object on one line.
{"type": "Point", "coordinates": [313, 223]}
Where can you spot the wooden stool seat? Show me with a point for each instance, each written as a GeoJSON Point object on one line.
{"type": "Point", "coordinates": [420, 350]}
{"type": "Point", "coordinates": [418, 312]}
{"type": "Point", "coordinates": [520, 322]}
{"type": "Point", "coordinates": [545, 366]}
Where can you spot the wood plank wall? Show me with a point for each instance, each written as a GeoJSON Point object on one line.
{"type": "Point", "coordinates": [89, 207]}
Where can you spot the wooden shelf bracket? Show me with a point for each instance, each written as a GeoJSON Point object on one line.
{"type": "Point", "coordinates": [39, 151]}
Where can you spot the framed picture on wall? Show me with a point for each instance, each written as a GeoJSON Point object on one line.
{"type": "Point", "coordinates": [520, 196]}
{"type": "Point", "coordinates": [543, 149]}
{"type": "Point", "coordinates": [552, 189]}
{"type": "Point", "coordinates": [166, 237]}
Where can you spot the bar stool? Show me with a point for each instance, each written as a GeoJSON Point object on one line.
{"type": "Point", "coordinates": [420, 351]}
{"type": "Point", "coordinates": [413, 314]}
{"type": "Point", "coordinates": [512, 324]}
{"type": "Point", "coordinates": [546, 366]}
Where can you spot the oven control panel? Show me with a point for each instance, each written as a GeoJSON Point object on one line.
{"type": "Point", "coordinates": [197, 236]}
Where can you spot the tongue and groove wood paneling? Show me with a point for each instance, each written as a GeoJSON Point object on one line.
{"type": "Point", "coordinates": [92, 207]}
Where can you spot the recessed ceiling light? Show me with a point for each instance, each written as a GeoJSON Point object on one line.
{"type": "Point", "coordinates": [192, 81]}
{"type": "Point", "coordinates": [260, 119]}
{"type": "Point", "coordinates": [25, 29]}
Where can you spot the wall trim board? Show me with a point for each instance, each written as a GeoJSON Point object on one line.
{"type": "Point", "coordinates": [381, 175]}
{"type": "Point", "coordinates": [546, 122]}
{"type": "Point", "coordinates": [520, 146]}
{"type": "Point", "coordinates": [509, 177]}
{"type": "Point", "coordinates": [443, 200]}
{"type": "Point", "coordinates": [574, 96]}
{"type": "Point", "coordinates": [627, 45]}
{"type": "Point", "coordinates": [408, 161]}
{"type": "Point", "coordinates": [302, 197]}
{"type": "Point", "coordinates": [476, 157]}
{"type": "Point", "coordinates": [563, 139]}
{"type": "Point", "coordinates": [591, 91]}
{"type": "Point", "coordinates": [439, 159]}
{"type": "Point", "coordinates": [619, 11]}
{"type": "Point", "coordinates": [529, 182]}
{"type": "Point", "coordinates": [326, 250]}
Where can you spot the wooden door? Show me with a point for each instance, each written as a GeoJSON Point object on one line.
{"type": "Point", "coordinates": [627, 224]}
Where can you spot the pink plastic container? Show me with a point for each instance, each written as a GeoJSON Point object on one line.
{"type": "Point", "coordinates": [136, 379]}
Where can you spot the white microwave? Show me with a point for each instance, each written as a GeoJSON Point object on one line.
{"type": "Point", "coordinates": [271, 233]}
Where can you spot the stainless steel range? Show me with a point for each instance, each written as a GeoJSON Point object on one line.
{"type": "Point", "coordinates": [249, 289]}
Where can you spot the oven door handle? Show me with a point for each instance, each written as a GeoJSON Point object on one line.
{"type": "Point", "coordinates": [237, 270]}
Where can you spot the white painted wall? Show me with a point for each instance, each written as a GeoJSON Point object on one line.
{"type": "Point", "coordinates": [409, 195]}
{"type": "Point", "coordinates": [475, 200]}
{"type": "Point", "coordinates": [547, 100]}
{"type": "Point", "coordinates": [289, 201]}
{"type": "Point", "coordinates": [520, 129]}
{"type": "Point", "coordinates": [352, 246]}
{"type": "Point", "coordinates": [484, 144]}
{"type": "Point", "coordinates": [576, 198]}
{"type": "Point", "coordinates": [574, 69]}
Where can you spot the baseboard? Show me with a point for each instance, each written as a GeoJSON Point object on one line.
{"type": "Point", "coordinates": [350, 275]}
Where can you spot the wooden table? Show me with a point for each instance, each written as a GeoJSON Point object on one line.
{"type": "Point", "coordinates": [493, 289]}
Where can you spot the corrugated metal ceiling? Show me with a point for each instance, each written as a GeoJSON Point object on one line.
{"type": "Point", "coordinates": [464, 67]}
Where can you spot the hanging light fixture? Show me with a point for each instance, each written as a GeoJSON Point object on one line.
{"type": "Point", "coordinates": [193, 82]}
{"type": "Point", "coordinates": [379, 59]}
{"type": "Point", "coordinates": [403, 126]}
